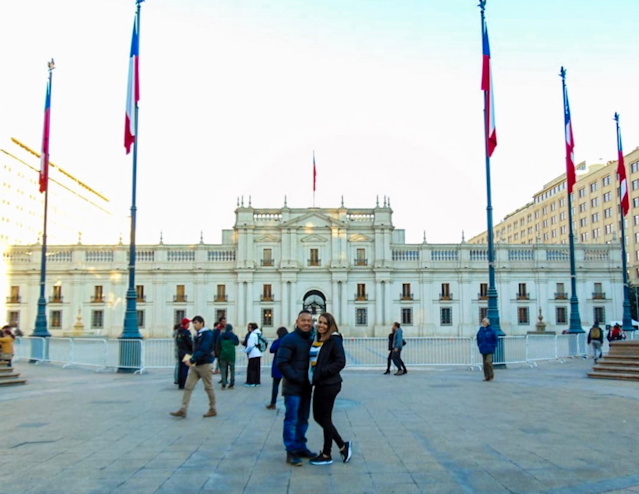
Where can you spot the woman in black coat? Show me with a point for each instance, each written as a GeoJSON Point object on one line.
{"type": "Point", "coordinates": [327, 359]}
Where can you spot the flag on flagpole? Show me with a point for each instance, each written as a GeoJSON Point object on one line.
{"type": "Point", "coordinates": [133, 89]}
{"type": "Point", "coordinates": [44, 155]}
{"type": "Point", "coordinates": [570, 145]}
{"type": "Point", "coordinates": [621, 171]}
{"type": "Point", "coordinates": [314, 172]}
{"type": "Point", "coordinates": [487, 87]}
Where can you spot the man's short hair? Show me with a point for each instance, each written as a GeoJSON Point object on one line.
{"type": "Point", "coordinates": [486, 319]}
{"type": "Point", "coordinates": [396, 324]}
{"type": "Point", "coordinates": [305, 311]}
{"type": "Point", "coordinates": [199, 319]}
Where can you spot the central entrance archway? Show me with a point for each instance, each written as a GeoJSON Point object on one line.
{"type": "Point", "coordinates": [315, 302]}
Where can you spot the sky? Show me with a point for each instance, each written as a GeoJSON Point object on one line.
{"type": "Point", "coordinates": [236, 96]}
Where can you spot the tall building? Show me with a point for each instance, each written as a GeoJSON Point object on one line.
{"type": "Point", "coordinates": [351, 262]}
{"type": "Point", "coordinates": [596, 212]}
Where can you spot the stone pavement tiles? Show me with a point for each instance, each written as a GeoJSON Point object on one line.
{"type": "Point", "coordinates": [548, 430]}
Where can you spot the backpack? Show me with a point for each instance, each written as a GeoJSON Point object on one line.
{"type": "Point", "coordinates": [262, 343]}
{"type": "Point", "coordinates": [595, 334]}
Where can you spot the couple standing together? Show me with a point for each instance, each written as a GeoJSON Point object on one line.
{"type": "Point", "coordinates": [306, 362]}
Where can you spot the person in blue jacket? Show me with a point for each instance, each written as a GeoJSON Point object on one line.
{"type": "Point", "coordinates": [275, 373]}
{"type": "Point", "coordinates": [487, 342]}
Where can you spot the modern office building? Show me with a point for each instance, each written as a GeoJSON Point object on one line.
{"type": "Point", "coordinates": [351, 262]}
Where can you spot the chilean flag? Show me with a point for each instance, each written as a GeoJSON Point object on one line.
{"type": "Point", "coordinates": [44, 155]}
{"type": "Point", "coordinates": [621, 171]}
{"type": "Point", "coordinates": [570, 146]}
{"type": "Point", "coordinates": [487, 87]}
{"type": "Point", "coordinates": [133, 89]}
{"type": "Point", "coordinates": [314, 172]}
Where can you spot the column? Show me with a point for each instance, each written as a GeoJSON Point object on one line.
{"type": "Point", "coordinates": [388, 314]}
{"type": "Point", "coordinates": [335, 303]}
{"type": "Point", "coordinates": [379, 301]}
{"type": "Point", "coordinates": [284, 316]}
{"type": "Point", "coordinates": [240, 311]}
{"type": "Point", "coordinates": [249, 303]}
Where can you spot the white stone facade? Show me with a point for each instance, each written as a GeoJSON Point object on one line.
{"type": "Point", "coordinates": [352, 261]}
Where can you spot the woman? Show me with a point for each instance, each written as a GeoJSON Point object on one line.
{"type": "Point", "coordinates": [184, 345]}
{"type": "Point", "coordinates": [6, 340]}
{"type": "Point", "coordinates": [253, 378]}
{"type": "Point", "coordinates": [276, 374]}
{"type": "Point", "coordinates": [327, 359]}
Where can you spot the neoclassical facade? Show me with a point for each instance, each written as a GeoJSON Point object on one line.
{"type": "Point", "coordinates": [351, 262]}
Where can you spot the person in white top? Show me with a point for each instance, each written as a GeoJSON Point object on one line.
{"type": "Point", "coordinates": [254, 357]}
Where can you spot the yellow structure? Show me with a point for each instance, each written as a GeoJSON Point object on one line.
{"type": "Point", "coordinates": [596, 212]}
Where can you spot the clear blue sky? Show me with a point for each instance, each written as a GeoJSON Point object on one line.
{"type": "Point", "coordinates": [235, 96]}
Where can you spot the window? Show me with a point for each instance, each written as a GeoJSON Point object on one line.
{"type": "Point", "coordinates": [636, 220]}
{"type": "Point", "coordinates": [583, 222]}
{"type": "Point", "coordinates": [180, 293]}
{"type": "Point", "coordinates": [594, 202]}
{"type": "Point", "coordinates": [267, 317]}
{"type": "Point", "coordinates": [561, 292]}
{"type": "Point", "coordinates": [445, 293]}
{"type": "Point", "coordinates": [97, 319]}
{"type": "Point", "coordinates": [483, 313]}
{"type": "Point", "coordinates": [635, 202]}
{"type": "Point", "coordinates": [406, 293]}
{"type": "Point", "coordinates": [537, 214]}
{"type": "Point", "coordinates": [609, 229]}
{"type": "Point", "coordinates": [596, 233]}
{"type": "Point", "coordinates": [98, 294]}
{"type": "Point", "coordinates": [607, 197]}
{"type": "Point", "coordinates": [593, 186]}
{"type": "Point", "coordinates": [267, 257]}
{"type": "Point", "coordinates": [582, 192]}
{"type": "Point", "coordinates": [139, 290]}
{"type": "Point", "coordinates": [14, 298]}
{"type": "Point", "coordinates": [582, 207]}
{"type": "Point", "coordinates": [522, 316]}
{"type": "Point", "coordinates": [561, 315]}
{"type": "Point", "coordinates": [267, 293]}
{"type": "Point", "coordinates": [361, 317]}
{"type": "Point", "coordinates": [584, 237]}
{"type": "Point", "coordinates": [553, 220]}
{"type": "Point", "coordinates": [219, 314]}
{"type": "Point", "coordinates": [545, 223]}
{"type": "Point", "coordinates": [361, 260]}
{"type": "Point", "coordinates": [635, 184]}
{"type": "Point", "coordinates": [314, 260]}
{"type": "Point", "coordinates": [179, 315]}
{"type": "Point", "coordinates": [605, 181]}
{"type": "Point", "coordinates": [599, 314]}
{"type": "Point", "coordinates": [562, 202]}
{"type": "Point", "coordinates": [634, 167]}
{"type": "Point", "coordinates": [220, 294]}
{"type": "Point", "coordinates": [594, 218]}
{"type": "Point", "coordinates": [140, 319]}
{"type": "Point", "coordinates": [544, 211]}
{"type": "Point", "coordinates": [608, 213]}
{"type": "Point", "coordinates": [361, 291]}
{"type": "Point", "coordinates": [56, 298]}
{"type": "Point", "coordinates": [483, 291]}
{"type": "Point", "coordinates": [553, 206]}
{"type": "Point", "coordinates": [55, 316]}
{"type": "Point", "coordinates": [598, 293]}
{"type": "Point", "coordinates": [522, 294]}
{"type": "Point", "coordinates": [446, 316]}
{"type": "Point", "coordinates": [13, 318]}
{"type": "Point", "coordinates": [407, 316]}
{"type": "Point", "coordinates": [563, 230]}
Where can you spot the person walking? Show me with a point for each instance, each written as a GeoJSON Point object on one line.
{"type": "Point", "coordinates": [254, 357]}
{"type": "Point", "coordinates": [184, 345]}
{"type": "Point", "coordinates": [225, 350]}
{"type": "Point", "coordinates": [398, 345]}
{"type": "Point", "coordinates": [6, 344]}
{"type": "Point", "coordinates": [292, 361]}
{"type": "Point", "coordinates": [487, 342]}
{"type": "Point", "coordinates": [391, 337]}
{"type": "Point", "coordinates": [595, 338]}
{"type": "Point", "coordinates": [217, 331]}
{"type": "Point", "coordinates": [327, 359]}
{"type": "Point", "coordinates": [200, 367]}
{"type": "Point", "coordinates": [276, 374]}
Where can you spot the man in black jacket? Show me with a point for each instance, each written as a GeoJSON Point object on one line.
{"type": "Point", "coordinates": [292, 362]}
{"type": "Point", "coordinates": [200, 367]}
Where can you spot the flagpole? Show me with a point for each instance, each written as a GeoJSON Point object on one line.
{"type": "Point", "coordinates": [575, 319]}
{"type": "Point", "coordinates": [627, 317]}
{"type": "Point", "coordinates": [314, 177]}
{"type": "Point", "coordinates": [130, 330]}
{"type": "Point", "coordinates": [492, 312]}
{"type": "Point", "coordinates": [41, 317]}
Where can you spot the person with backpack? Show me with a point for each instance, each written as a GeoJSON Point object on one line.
{"type": "Point", "coordinates": [595, 338]}
{"type": "Point", "coordinates": [225, 350]}
{"type": "Point", "coordinates": [254, 353]}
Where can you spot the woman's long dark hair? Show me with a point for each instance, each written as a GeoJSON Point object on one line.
{"type": "Point", "coordinates": [332, 326]}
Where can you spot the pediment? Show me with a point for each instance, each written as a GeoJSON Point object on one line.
{"type": "Point", "coordinates": [313, 219]}
{"type": "Point", "coordinates": [358, 237]}
{"type": "Point", "coordinates": [266, 239]}
{"type": "Point", "coordinates": [314, 239]}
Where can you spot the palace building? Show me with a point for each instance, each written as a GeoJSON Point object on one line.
{"type": "Point", "coordinates": [351, 262]}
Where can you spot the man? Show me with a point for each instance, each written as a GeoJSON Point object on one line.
{"type": "Point", "coordinates": [200, 367]}
{"type": "Point", "coordinates": [487, 342]}
{"type": "Point", "coordinates": [398, 345]}
{"type": "Point", "coordinates": [292, 361]}
{"type": "Point", "coordinates": [595, 338]}
{"type": "Point", "coordinates": [225, 351]}
{"type": "Point", "coordinates": [184, 343]}
{"type": "Point", "coordinates": [185, 324]}
{"type": "Point", "coordinates": [253, 377]}
{"type": "Point", "coordinates": [217, 331]}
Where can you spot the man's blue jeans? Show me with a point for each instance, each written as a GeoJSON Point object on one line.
{"type": "Point", "coordinates": [298, 409]}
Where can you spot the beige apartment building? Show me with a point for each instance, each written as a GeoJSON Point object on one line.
{"type": "Point", "coordinates": [596, 212]}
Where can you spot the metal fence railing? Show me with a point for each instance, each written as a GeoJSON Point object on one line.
{"type": "Point", "coordinates": [140, 355]}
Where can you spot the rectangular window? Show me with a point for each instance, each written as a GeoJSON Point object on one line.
{"type": "Point", "coordinates": [483, 313]}
{"type": "Point", "coordinates": [599, 314]}
{"type": "Point", "coordinates": [598, 293]}
{"type": "Point", "coordinates": [220, 294]}
{"type": "Point", "coordinates": [267, 293]}
{"type": "Point", "coordinates": [267, 318]}
{"type": "Point", "coordinates": [219, 314]}
{"type": "Point", "coordinates": [140, 319]}
{"type": "Point", "coordinates": [594, 218]}
{"type": "Point", "coordinates": [314, 260]}
{"type": "Point", "coordinates": [553, 206]}
{"type": "Point", "coordinates": [98, 294]}
{"type": "Point", "coordinates": [609, 229]}
{"type": "Point", "coordinates": [593, 186]}
{"type": "Point", "coordinates": [596, 233]}
{"type": "Point", "coordinates": [584, 237]}
{"type": "Point", "coordinates": [180, 293]}
{"type": "Point", "coordinates": [407, 316]}
{"type": "Point", "coordinates": [545, 223]}
{"type": "Point", "coordinates": [14, 298]}
{"type": "Point", "coordinates": [636, 219]}
{"type": "Point", "coordinates": [178, 316]}
{"type": "Point", "coordinates": [582, 207]}
{"type": "Point", "coordinates": [582, 192]}
{"type": "Point", "coordinates": [139, 290]}
{"type": "Point", "coordinates": [522, 294]}
{"type": "Point", "coordinates": [406, 293]}
{"type": "Point", "coordinates": [361, 317]}
{"type": "Point", "coordinates": [522, 316]}
{"type": "Point", "coordinates": [97, 319]}
{"type": "Point", "coordinates": [635, 202]}
{"type": "Point", "coordinates": [445, 293]}
{"type": "Point", "coordinates": [563, 230]}
{"type": "Point", "coordinates": [583, 222]}
{"type": "Point", "coordinates": [606, 180]}
{"type": "Point", "coordinates": [594, 202]}
{"type": "Point", "coordinates": [561, 292]}
{"type": "Point", "coordinates": [446, 316]}
{"type": "Point", "coordinates": [13, 318]}
{"type": "Point", "coordinates": [361, 291]}
{"type": "Point", "coordinates": [483, 291]}
{"type": "Point", "coordinates": [562, 202]}
{"type": "Point", "coordinates": [267, 257]}
{"type": "Point", "coordinates": [635, 184]}
{"type": "Point", "coordinates": [607, 197]}
{"type": "Point", "coordinates": [361, 260]}
{"type": "Point", "coordinates": [561, 315]}
{"type": "Point", "coordinates": [634, 167]}
{"type": "Point", "coordinates": [55, 318]}
{"type": "Point", "coordinates": [56, 298]}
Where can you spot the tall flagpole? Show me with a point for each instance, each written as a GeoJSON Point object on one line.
{"type": "Point", "coordinates": [41, 317]}
{"type": "Point", "coordinates": [627, 317]}
{"type": "Point", "coordinates": [131, 330]}
{"type": "Point", "coordinates": [492, 312]}
{"type": "Point", "coordinates": [575, 320]}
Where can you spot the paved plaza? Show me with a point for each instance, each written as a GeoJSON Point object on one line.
{"type": "Point", "coordinates": [547, 429]}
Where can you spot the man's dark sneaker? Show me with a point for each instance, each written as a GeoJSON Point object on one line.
{"type": "Point", "coordinates": [231, 386]}
{"type": "Point", "coordinates": [223, 386]}
{"type": "Point", "coordinates": [305, 453]}
{"type": "Point", "coordinates": [321, 459]}
{"type": "Point", "coordinates": [294, 460]}
{"type": "Point", "coordinates": [347, 452]}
